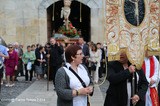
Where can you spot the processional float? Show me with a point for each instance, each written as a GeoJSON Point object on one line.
{"type": "Point", "coordinates": [132, 26]}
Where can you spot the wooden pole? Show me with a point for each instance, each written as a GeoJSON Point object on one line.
{"type": "Point", "coordinates": [48, 70]}
{"type": "Point", "coordinates": [133, 87]}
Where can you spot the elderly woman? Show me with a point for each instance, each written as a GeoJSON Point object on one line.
{"type": "Point", "coordinates": [95, 57]}
{"type": "Point", "coordinates": [120, 91]}
{"type": "Point", "coordinates": [28, 56]}
{"type": "Point", "coordinates": [11, 65]}
{"type": "Point", "coordinates": [69, 88]}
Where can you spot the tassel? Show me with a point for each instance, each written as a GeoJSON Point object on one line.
{"type": "Point", "coordinates": [80, 11]}
{"type": "Point", "coordinates": [53, 11]}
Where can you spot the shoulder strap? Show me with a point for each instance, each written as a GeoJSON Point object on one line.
{"type": "Point", "coordinates": [82, 82]}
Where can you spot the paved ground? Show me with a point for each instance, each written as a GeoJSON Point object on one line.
{"type": "Point", "coordinates": [104, 87]}
{"type": "Point", "coordinates": [8, 93]}
{"type": "Point", "coordinates": [36, 94]}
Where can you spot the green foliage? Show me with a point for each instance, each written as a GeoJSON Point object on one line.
{"type": "Point", "coordinates": [71, 32]}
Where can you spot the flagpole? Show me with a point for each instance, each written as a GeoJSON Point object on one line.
{"type": "Point", "coordinates": [48, 70]}
{"type": "Point", "coordinates": [133, 85]}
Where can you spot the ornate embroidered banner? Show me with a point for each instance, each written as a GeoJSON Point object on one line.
{"type": "Point", "coordinates": [132, 26]}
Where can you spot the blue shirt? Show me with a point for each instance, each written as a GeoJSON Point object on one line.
{"type": "Point", "coordinates": [3, 50]}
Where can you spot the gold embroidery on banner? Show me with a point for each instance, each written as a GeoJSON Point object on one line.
{"type": "Point", "coordinates": [155, 97]}
{"type": "Point", "coordinates": [114, 57]}
{"type": "Point", "coordinates": [122, 36]}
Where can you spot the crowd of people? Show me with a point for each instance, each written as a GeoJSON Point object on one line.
{"type": "Point", "coordinates": [38, 55]}
{"type": "Point", "coordinates": [74, 69]}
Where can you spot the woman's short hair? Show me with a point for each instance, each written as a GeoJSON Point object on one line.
{"type": "Point", "coordinates": [71, 51]}
{"type": "Point", "coordinates": [94, 45]}
{"type": "Point", "coordinates": [40, 48]}
{"type": "Point", "coordinates": [33, 45]}
{"type": "Point", "coordinates": [10, 44]}
{"type": "Point", "coordinates": [28, 46]}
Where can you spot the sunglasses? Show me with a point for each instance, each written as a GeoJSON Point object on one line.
{"type": "Point", "coordinates": [10, 47]}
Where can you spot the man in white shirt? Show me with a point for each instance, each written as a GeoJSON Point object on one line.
{"type": "Point", "coordinates": [151, 67]}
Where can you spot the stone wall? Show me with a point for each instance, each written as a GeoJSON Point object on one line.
{"type": "Point", "coordinates": [19, 21]}
{"type": "Point", "coordinates": [25, 21]}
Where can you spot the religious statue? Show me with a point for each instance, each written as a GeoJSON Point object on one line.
{"type": "Point", "coordinates": [66, 10]}
{"type": "Point", "coordinates": [136, 10]}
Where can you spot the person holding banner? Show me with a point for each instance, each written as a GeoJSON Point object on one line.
{"type": "Point", "coordinates": [121, 90]}
{"type": "Point", "coordinates": [151, 67]}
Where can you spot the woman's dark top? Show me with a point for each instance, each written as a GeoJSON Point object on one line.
{"type": "Point", "coordinates": [38, 56]}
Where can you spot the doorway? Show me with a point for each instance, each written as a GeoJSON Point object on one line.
{"type": "Point", "coordinates": [84, 26]}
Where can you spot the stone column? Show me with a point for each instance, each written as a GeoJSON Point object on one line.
{"type": "Point", "coordinates": [96, 25]}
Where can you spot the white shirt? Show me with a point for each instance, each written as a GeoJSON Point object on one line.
{"type": "Point", "coordinates": [147, 67]}
{"type": "Point", "coordinates": [95, 56]}
{"type": "Point", "coordinates": [75, 84]}
{"type": "Point", "coordinates": [154, 77]}
{"type": "Point", "coordinates": [41, 56]}
{"type": "Point", "coordinates": [16, 50]}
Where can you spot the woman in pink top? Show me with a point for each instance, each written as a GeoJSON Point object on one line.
{"type": "Point", "coordinates": [11, 65]}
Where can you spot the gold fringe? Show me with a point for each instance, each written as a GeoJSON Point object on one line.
{"type": "Point", "coordinates": [80, 11]}
{"type": "Point", "coordinates": [53, 11]}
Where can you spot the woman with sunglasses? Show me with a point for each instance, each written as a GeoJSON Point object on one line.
{"type": "Point", "coordinates": [69, 88]}
{"type": "Point", "coordinates": [11, 65]}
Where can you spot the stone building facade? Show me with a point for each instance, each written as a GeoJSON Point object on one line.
{"type": "Point", "coordinates": [25, 21]}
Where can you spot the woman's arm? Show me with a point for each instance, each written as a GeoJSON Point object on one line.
{"type": "Point", "coordinates": [60, 48]}
{"type": "Point", "coordinates": [34, 57]}
{"type": "Point", "coordinates": [90, 58]}
{"type": "Point", "coordinates": [154, 79]}
{"type": "Point", "coordinates": [99, 56]}
{"type": "Point", "coordinates": [91, 82]}
{"type": "Point", "coordinates": [61, 86]}
{"type": "Point", "coordinates": [16, 59]}
{"type": "Point", "coordinates": [116, 77]}
{"type": "Point", "coordinates": [38, 57]}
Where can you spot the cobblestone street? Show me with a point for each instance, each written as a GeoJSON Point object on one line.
{"type": "Point", "coordinates": [9, 93]}
{"type": "Point", "coordinates": [104, 88]}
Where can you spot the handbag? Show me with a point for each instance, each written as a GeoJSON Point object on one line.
{"type": "Point", "coordinates": [29, 65]}
{"type": "Point", "coordinates": [83, 83]}
{"type": "Point", "coordinates": [93, 66]}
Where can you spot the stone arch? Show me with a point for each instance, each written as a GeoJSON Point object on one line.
{"type": "Point", "coordinates": [90, 3]}
{"type": "Point", "coordinates": [96, 14]}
